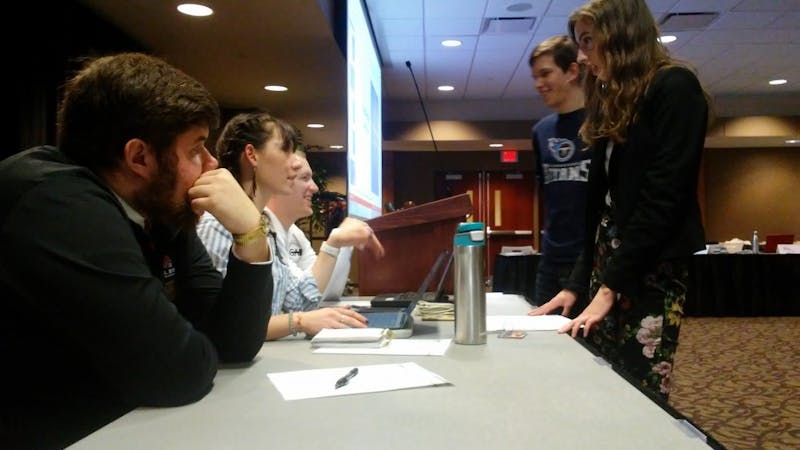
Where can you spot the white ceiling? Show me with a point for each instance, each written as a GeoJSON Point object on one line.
{"type": "Point", "coordinates": [247, 44]}
{"type": "Point", "coordinates": [750, 42]}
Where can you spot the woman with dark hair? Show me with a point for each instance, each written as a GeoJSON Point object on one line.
{"type": "Point", "coordinates": [646, 118]}
{"type": "Point", "coordinates": [258, 149]}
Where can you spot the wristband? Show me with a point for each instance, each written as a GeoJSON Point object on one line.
{"type": "Point", "coordinates": [292, 329]}
{"type": "Point", "coordinates": [333, 251]}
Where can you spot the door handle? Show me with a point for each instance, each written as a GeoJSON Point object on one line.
{"type": "Point", "coordinates": [509, 232]}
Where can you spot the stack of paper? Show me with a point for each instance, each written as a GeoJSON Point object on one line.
{"type": "Point", "coordinates": [435, 310]}
{"type": "Point", "coordinates": [351, 337]}
{"type": "Point", "coordinates": [417, 347]}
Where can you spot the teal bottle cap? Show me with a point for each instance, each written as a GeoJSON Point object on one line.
{"type": "Point", "coordinates": [469, 234]}
{"type": "Point", "coordinates": [464, 227]}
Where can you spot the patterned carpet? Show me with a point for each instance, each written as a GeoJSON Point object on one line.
{"type": "Point", "coordinates": [739, 380]}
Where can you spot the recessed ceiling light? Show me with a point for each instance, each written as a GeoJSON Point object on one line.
{"type": "Point", "coordinates": [667, 38]}
{"type": "Point", "coordinates": [315, 125]}
{"type": "Point", "coordinates": [495, 145]}
{"type": "Point", "coordinates": [194, 9]}
{"type": "Point", "coordinates": [519, 6]}
{"type": "Point", "coordinates": [337, 147]}
{"type": "Point", "coordinates": [793, 141]}
{"type": "Point", "coordinates": [445, 88]}
{"type": "Point", "coordinates": [276, 88]}
{"type": "Point", "coordinates": [451, 43]}
{"type": "Point", "coordinates": [777, 82]}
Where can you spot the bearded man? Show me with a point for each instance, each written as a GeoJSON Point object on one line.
{"type": "Point", "coordinates": [109, 300]}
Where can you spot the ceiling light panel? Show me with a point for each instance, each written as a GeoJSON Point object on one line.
{"type": "Point", "coordinates": [687, 21]}
{"type": "Point", "coordinates": [468, 42]}
{"type": "Point", "coordinates": [499, 8]}
{"type": "Point", "coordinates": [508, 25]}
{"type": "Point", "coordinates": [195, 9]}
{"type": "Point", "coordinates": [519, 7]}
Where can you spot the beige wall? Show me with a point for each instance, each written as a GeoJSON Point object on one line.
{"type": "Point", "coordinates": [751, 177]}
{"type": "Point", "coordinates": [752, 189]}
{"type": "Point", "coordinates": [414, 171]}
{"type": "Point", "coordinates": [745, 188]}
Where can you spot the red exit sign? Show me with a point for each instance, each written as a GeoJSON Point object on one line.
{"type": "Point", "coordinates": [509, 156]}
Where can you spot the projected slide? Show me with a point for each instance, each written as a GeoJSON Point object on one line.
{"type": "Point", "coordinates": [364, 133]}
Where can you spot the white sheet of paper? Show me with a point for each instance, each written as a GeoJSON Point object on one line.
{"type": "Point", "coordinates": [528, 323]}
{"type": "Point", "coordinates": [416, 347]}
{"type": "Point", "coordinates": [316, 383]}
{"type": "Point", "coordinates": [499, 304]}
{"type": "Point", "coordinates": [494, 296]}
{"type": "Point", "coordinates": [785, 249]}
{"type": "Point", "coordinates": [349, 335]}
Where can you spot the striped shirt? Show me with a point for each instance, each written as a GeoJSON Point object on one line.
{"type": "Point", "coordinates": [300, 256]}
{"type": "Point", "coordinates": [291, 291]}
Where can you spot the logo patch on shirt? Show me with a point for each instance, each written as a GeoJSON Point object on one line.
{"type": "Point", "coordinates": [168, 276]}
{"type": "Point", "coordinates": [561, 149]}
{"type": "Point", "coordinates": [574, 171]}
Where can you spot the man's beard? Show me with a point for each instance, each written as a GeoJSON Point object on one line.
{"type": "Point", "coordinates": [157, 205]}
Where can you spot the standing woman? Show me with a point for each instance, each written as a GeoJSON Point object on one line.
{"type": "Point", "coordinates": [258, 149]}
{"type": "Point", "coordinates": [646, 118]}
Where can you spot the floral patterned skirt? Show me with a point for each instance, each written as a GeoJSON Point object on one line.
{"type": "Point", "coordinates": [640, 334]}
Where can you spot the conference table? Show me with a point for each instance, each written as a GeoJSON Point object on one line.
{"type": "Point", "coordinates": [765, 284]}
{"type": "Point", "coordinates": [516, 274]}
{"type": "Point", "coordinates": [543, 391]}
{"type": "Point", "coordinates": [724, 285]}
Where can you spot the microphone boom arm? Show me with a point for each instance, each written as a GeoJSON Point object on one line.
{"type": "Point", "coordinates": [424, 111]}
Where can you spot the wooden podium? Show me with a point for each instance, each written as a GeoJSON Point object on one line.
{"type": "Point", "coordinates": [413, 238]}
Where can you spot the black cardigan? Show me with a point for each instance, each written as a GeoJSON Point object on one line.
{"type": "Point", "coordinates": [653, 182]}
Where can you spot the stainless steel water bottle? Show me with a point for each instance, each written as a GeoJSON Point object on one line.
{"type": "Point", "coordinates": [754, 244]}
{"type": "Point", "coordinates": [469, 292]}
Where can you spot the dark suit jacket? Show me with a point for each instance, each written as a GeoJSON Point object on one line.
{"type": "Point", "coordinates": [653, 182]}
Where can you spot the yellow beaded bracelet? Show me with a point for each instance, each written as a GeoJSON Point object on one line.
{"type": "Point", "coordinates": [256, 233]}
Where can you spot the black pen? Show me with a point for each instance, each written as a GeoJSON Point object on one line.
{"type": "Point", "coordinates": [346, 379]}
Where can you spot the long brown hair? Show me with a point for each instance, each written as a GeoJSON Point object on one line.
{"type": "Point", "coordinates": [627, 40]}
{"type": "Point", "coordinates": [255, 128]}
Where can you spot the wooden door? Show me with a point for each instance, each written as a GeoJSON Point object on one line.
{"type": "Point", "coordinates": [509, 212]}
{"type": "Point", "coordinates": [502, 200]}
{"type": "Point", "coordinates": [451, 183]}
